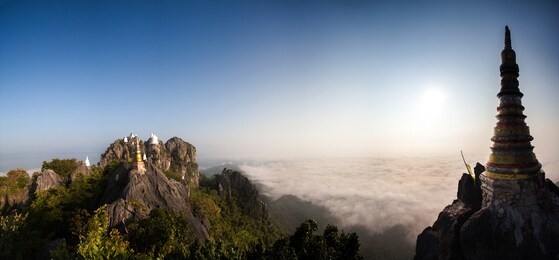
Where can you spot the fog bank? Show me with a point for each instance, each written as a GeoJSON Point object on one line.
{"type": "Point", "coordinates": [374, 193]}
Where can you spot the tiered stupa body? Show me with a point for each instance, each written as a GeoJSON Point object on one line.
{"type": "Point", "coordinates": [513, 172]}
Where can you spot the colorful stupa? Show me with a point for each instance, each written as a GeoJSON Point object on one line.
{"type": "Point", "coordinates": [512, 159]}
{"type": "Point", "coordinates": [138, 163]}
{"type": "Point", "coordinates": [511, 211]}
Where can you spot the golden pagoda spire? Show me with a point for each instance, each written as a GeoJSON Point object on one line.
{"type": "Point", "coordinates": [138, 162]}
{"type": "Point", "coordinates": [512, 155]}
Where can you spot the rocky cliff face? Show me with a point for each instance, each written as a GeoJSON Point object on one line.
{"type": "Point", "coordinates": [44, 180]}
{"type": "Point", "coordinates": [118, 151]}
{"type": "Point", "coordinates": [131, 196]}
{"type": "Point", "coordinates": [175, 156]}
{"type": "Point", "coordinates": [233, 185]}
{"type": "Point", "coordinates": [465, 230]}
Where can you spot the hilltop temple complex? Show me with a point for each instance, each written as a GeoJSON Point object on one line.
{"type": "Point", "coordinates": [507, 210]}
{"type": "Point", "coordinates": [139, 159]}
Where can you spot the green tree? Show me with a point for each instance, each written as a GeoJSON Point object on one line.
{"type": "Point", "coordinates": [306, 244]}
{"type": "Point", "coordinates": [63, 167]}
{"type": "Point", "coordinates": [160, 234]}
{"type": "Point", "coordinates": [14, 181]}
{"type": "Point", "coordinates": [101, 243]}
{"type": "Point", "coordinates": [11, 227]}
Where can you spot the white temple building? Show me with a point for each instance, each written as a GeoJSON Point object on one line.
{"type": "Point", "coordinates": [154, 139]}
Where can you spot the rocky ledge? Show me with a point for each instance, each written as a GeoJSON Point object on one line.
{"type": "Point", "coordinates": [466, 230]}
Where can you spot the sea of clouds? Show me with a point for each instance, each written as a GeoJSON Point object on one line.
{"type": "Point", "coordinates": [371, 192]}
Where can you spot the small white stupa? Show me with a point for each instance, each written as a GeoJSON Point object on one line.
{"type": "Point", "coordinates": [126, 139]}
{"type": "Point", "coordinates": [132, 135]}
{"type": "Point", "coordinates": [145, 157]}
{"type": "Point", "coordinates": [154, 139]}
{"type": "Point", "coordinates": [86, 162]}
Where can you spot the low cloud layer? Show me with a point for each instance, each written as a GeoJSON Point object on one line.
{"type": "Point", "coordinates": [375, 193]}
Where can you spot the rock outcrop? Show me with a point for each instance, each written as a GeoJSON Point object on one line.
{"type": "Point", "coordinates": [131, 196]}
{"type": "Point", "coordinates": [79, 170]}
{"type": "Point", "coordinates": [464, 230]}
{"type": "Point", "coordinates": [179, 157]}
{"type": "Point", "coordinates": [175, 156]}
{"type": "Point", "coordinates": [118, 151]}
{"type": "Point", "coordinates": [234, 185]}
{"type": "Point", "coordinates": [44, 180]}
{"type": "Point", "coordinates": [235, 188]}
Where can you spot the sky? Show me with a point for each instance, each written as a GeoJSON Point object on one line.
{"type": "Point", "coordinates": [270, 79]}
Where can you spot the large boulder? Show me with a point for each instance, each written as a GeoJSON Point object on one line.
{"type": "Point", "coordinates": [44, 180]}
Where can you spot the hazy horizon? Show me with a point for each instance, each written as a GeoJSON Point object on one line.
{"type": "Point", "coordinates": [252, 80]}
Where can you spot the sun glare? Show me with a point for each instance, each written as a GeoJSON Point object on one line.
{"type": "Point", "coordinates": [432, 102]}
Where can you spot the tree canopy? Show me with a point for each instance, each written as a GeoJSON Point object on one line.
{"type": "Point", "coordinates": [68, 222]}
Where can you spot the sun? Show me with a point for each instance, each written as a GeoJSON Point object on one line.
{"type": "Point", "coordinates": [432, 102]}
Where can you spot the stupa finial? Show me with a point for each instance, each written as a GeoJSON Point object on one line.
{"type": "Point", "coordinates": [508, 44]}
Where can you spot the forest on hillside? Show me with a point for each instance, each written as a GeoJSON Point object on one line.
{"type": "Point", "coordinates": [69, 222]}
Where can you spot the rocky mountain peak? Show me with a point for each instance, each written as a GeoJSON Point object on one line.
{"type": "Point", "coordinates": [131, 196]}
{"type": "Point", "coordinates": [176, 156]}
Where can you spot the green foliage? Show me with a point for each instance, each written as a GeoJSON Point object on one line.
{"type": "Point", "coordinates": [160, 234]}
{"type": "Point", "coordinates": [229, 227]}
{"type": "Point", "coordinates": [11, 227]}
{"type": "Point", "coordinates": [52, 211]}
{"type": "Point", "coordinates": [306, 244]}
{"type": "Point", "coordinates": [100, 244]}
{"type": "Point", "coordinates": [14, 181]}
{"type": "Point", "coordinates": [173, 175]}
{"type": "Point", "coordinates": [71, 212]}
{"type": "Point", "coordinates": [62, 167]}
{"type": "Point", "coordinates": [209, 183]}
{"type": "Point", "coordinates": [61, 212]}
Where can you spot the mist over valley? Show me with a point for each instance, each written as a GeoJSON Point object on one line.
{"type": "Point", "coordinates": [387, 201]}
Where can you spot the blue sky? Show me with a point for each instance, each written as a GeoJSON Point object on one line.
{"type": "Point", "coordinates": [269, 79]}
